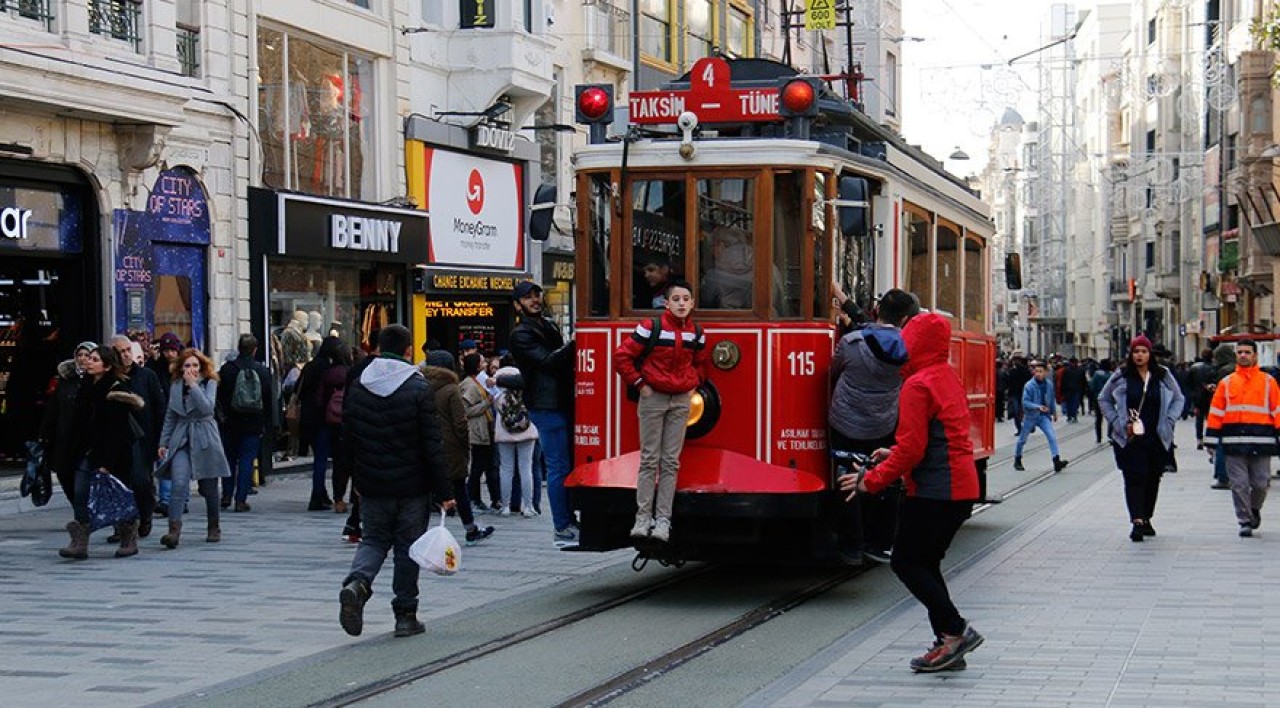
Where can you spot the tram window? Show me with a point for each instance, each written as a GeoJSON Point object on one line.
{"type": "Point", "coordinates": [948, 269]}
{"type": "Point", "coordinates": [975, 286]}
{"type": "Point", "coordinates": [657, 240]}
{"type": "Point", "coordinates": [788, 233]}
{"type": "Point", "coordinates": [820, 223]}
{"type": "Point", "coordinates": [599, 226]}
{"type": "Point", "coordinates": [915, 232]}
{"type": "Point", "coordinates": [726, 247]}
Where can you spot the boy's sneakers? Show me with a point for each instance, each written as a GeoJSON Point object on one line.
{"type": "Point", "coordinates": [947, 652]}
{"type": "Point", "coordinates": [476, 534]}
{"type": "Point", "coordinates": [661, 529]}
{"type": "Point", "coordinates": [528, 513]}
{"type": "Point", "coordinates": [642, 527]}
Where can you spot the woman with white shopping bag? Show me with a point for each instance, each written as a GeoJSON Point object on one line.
{"type": "Point", "coordinates": [103, 435]}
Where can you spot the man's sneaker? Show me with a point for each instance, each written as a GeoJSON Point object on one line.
{"type": "Point", "coordinates": [529, 513]}
{"type": "Point", "coordinates": [878, 555]}
{"type": "Point", "coordinates": [661, 529]}
{"type": "Point", "coordinates": [947, 652]}
{"type": "Point", "coordinates": [1257, 518]}
{"type": "Point", "coordinates": [567, 536]}
{"type": "Point", "coordinates": [642, 527]}
{"type": "Point", "coordinates": [477, 534]}
{"type": "Point", "coordinates": [1246, 530]}
{"type": "Point", "coordinates": [352, 598]}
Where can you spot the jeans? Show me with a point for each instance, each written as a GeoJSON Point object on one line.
{"type": "Point", "coordinates": [1142, 462]}
{"type": "Point", "coordinates": [482, 465]}
{"type": "Point", "coordinates": [162, 491]}
{"type": "Point", "coordinates": [180, 472]}
{"type": "Point", "coordinates": [553, 433]}
{"type": "Point", "coordinates": [1045, 424]}
{"type": "Point", "coordinates": [321, 445]}
{"type": "Point", "coordinates": [391, 523]}
{"type": "Point", "coordinates": [925, 530]}
{"type": "Point", "coordinates": [511, 453]}
{"type": "Point", "coordinates": [243, 453]}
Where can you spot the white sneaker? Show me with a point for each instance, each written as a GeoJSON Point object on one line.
{"type": "Point", "coordinates": [504, 512]}
{"type": "Point", "coordinates": [662, 529]}
{"type": "Point", "coordinates": [641, 529]}
{"type": "Point", "coordinates": [528, 513]}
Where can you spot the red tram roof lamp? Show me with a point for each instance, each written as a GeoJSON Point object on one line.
{"type": "Point", "coordinates": [799, 98]}
{"type": "Point", "coordinates": [594, 103]}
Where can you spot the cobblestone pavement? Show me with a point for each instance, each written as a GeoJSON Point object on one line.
{"type": "Point", "coordinates": [1074, 613]}
{"type": "Point", "coordinates": [167, 623]}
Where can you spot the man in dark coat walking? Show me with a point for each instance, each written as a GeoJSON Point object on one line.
{"type": "Point", "coordinates": [150, 419]}
{"type": "Point", "coordinates": [389, 417]}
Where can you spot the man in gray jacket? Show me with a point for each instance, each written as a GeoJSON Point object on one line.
{"type": "Point", "coordinates": [864, 407]}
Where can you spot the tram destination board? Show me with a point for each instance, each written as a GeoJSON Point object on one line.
{"type": "Point", "coordinates": [710, 96]}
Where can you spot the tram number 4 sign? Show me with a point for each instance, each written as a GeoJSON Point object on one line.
{"type": "Point", "coordinates": [709, 95]}
{"type": "Point", "coordinates": [819, 15]}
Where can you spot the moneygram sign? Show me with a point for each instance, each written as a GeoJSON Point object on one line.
{"type": "Point", "coordinates": [477, 209]}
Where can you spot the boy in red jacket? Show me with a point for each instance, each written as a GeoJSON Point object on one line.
{"type": "Point", "coordinates": [934, 455]}
{"type": "Point", "coordinates": [664, 364]}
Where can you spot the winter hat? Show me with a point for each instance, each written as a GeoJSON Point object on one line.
{"type": "Point", "coordinates": [170, 341]}
{"type": "Point", "coordinates": [440, 358]}
{"type": "Point", "coordinates": [1140, 341]}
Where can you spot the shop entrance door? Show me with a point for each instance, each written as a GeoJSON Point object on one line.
{"type": "Point", "coordinates": [180, 293]}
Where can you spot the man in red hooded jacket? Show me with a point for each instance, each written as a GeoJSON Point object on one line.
{"type": "Point", "coordinates": [934, 456]}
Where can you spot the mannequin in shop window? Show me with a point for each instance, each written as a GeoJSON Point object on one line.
{"type": "Point", "coordinates": [294, 344]}
{"type": "Point", "coordinates": [314, 322]}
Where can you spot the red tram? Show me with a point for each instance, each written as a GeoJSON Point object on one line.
{"type": "Point", "coordinates": [759, 186]}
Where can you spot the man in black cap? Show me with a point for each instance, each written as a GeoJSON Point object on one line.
{"type": "Point", "coordinates": [545, 361]}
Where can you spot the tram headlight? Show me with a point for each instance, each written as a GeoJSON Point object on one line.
{"type": "Point", "coordinates": [704, 410]}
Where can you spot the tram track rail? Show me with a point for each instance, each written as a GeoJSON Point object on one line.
{"type": "Point", "coordinates": [653, 669]}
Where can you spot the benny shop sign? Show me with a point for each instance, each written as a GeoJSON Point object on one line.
{"type": "Point", "coordinates": [477, 209]}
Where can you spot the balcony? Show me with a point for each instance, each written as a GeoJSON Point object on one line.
{"type": "Point", "coordinates": [38, 10]}
{"type": "Point", "coordinates": [117, 19]}
{"type": "Point", "coordinates": [608, 35]}
{"type": "Point", "coordinates": [189, 50]}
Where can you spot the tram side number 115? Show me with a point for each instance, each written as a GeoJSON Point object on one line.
{"type": "Point", "coordinates": [802, 363]}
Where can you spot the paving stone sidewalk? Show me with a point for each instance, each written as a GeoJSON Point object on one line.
{"type": "Point", "coordinates": [1076, 614]}
{"type": "Point", "coordinates": [124, 632]}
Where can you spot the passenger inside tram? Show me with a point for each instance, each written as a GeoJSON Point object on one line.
{"type": "Point", "coordinates": [729, 277]}
{"type": "Point", "coordinates": [651, 286]}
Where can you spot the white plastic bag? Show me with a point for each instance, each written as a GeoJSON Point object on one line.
{"type": "Point", "coordinates": [437, 550]}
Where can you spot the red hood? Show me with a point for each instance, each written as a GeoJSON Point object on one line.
{"type": "Point", "coordinates": [928, 339]}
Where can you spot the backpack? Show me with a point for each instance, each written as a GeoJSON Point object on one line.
{"type": "Point", "coordinates": [333, 410]}
{"type": "Point", "coordinates": [655, 333]}
{"type": "Point", "coordinates": [512, 412]}
{"type": "Point", "coordinates": [246, 397]}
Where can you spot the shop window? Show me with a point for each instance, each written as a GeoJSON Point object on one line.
{"type": "Point", "coordinates": [599, 225]}
{"type": "Point", "coordinates": [726, 244]}
{"type": "Point", "coordinates": [173, 306]}
{"type": "Point", "coordinates": [657, 240]}
{"type": "Point", "coordinates": [948, 269]}
{"type": "Point", "coordinates": [316, 117]}
{"type": "Point", "coordinates": [915, 227]}
{"type": "Point", "coordinates": [788, 233]}
{"type": "Point", "coordinates": [345, 301]}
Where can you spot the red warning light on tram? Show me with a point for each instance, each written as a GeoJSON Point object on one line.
{"type": "Point", "coordinates": [594, 104]}
{"type": "Point", "coordinates": [799, 98]}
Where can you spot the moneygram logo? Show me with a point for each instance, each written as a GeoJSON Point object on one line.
{"type": "Point", "coordinates": [475, 192]}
